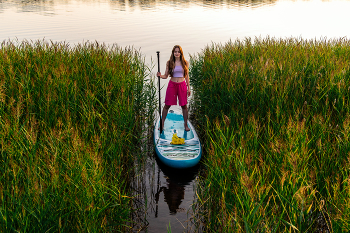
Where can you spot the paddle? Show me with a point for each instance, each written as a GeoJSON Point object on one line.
{"type": "Point", "coordinates": [160, 115]}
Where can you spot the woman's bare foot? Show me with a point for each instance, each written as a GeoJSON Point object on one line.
{"type": "Point", "coordinates": [186, 128]}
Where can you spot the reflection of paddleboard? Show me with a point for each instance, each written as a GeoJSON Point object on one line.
{"type": "Point", "coordinates": [177, 156]}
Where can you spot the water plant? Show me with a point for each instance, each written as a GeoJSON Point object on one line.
{"type": "Point", "coordinates": [274, 116]}
{"type": "Point", "coordinates": [71, 119]}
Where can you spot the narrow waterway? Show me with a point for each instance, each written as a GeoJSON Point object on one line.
{"type": "Point", "coordinates": [164, 198]}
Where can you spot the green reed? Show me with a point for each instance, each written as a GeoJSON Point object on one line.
{"type": "Point", "coordinates": [275, 120]}
{"type": "Point", "coordinates": [71, 119]}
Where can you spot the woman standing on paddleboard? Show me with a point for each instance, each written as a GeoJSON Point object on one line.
{"type": "Point", "coordinates": [179, 84]}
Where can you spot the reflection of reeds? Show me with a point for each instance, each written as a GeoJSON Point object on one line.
{"type": "Point", "coordinates": [275, 117]}
{"type": "Point", "coordinates": [71, 118]}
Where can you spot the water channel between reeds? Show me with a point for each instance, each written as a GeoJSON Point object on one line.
{"type": "Point", "coordinates": [164, 197]}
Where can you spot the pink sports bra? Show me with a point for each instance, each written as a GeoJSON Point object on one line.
{"type": "Point", "coordinates": [178, 72]}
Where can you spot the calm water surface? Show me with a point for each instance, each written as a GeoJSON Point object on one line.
{"type": "Point", "coordinates": [158, 25]}
{"type": "Point", "coordinates": [164, 198]}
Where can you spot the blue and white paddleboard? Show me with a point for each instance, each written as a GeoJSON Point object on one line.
{"type": "Point", "coordinates": [177, 156]}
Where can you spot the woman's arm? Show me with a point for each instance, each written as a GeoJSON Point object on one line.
{"type": "Point", "coordinates": [187, 78]}
{"type": "Point", "coordinates": [166, 74]}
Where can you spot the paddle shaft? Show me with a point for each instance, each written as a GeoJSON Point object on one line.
{"type": "Point", "coordinates": [160, 114]}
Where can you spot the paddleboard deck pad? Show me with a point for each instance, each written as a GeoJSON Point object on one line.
{"type": "Point", "coordinates": [177, 156]}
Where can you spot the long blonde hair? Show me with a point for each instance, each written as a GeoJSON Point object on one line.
{"type": "Point", "coordinates": [171, 62]}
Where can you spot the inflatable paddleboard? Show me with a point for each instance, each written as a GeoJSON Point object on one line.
{"type": "Point", "coordinates": [177, 156]}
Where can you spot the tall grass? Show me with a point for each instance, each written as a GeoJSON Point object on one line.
{"type": "Point", "coordinates": [275, 119]}
{"type": "Point", "coordinates": [71, 119]}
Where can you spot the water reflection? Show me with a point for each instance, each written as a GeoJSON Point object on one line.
{"type": "Point", "coordinates": [174, 189]}
{"type": "Point", "coordinates": [152, 5]}
{"type": "Point", "coordinates": [47, 7]}
{"type": "Point", "coordinates": [173, 195]}
{"type": "Point", "coordinates": [163, 195]}
{"type": "Point", "coordinates": [147, 4]}
{"type": "Point", "coordinates": [39, 6]}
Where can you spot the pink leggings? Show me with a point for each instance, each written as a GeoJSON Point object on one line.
{"type": "Point", "coordinates": [175, 90]}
